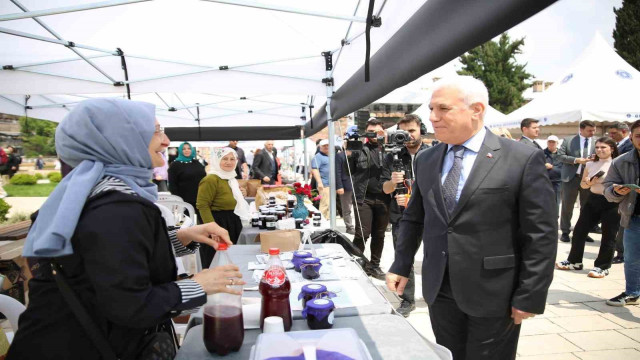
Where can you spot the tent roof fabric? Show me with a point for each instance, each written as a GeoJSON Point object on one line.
{"type": "Point", "coordinates": [233, 67]}
{"type": "Point", "coordinates": [598, 86]}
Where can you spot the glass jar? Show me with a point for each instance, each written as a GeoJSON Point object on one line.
{"type": "Point", "coordinates": [310, 268]}
{"type": "Point", "coordinates": [298, 256]}
{"type": "Point", "coordinates": [319, 314]}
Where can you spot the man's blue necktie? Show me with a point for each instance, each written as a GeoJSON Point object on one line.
{"type": "Point", "coordinates": [450, 186]}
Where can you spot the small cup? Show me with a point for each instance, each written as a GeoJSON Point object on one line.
{"type": "Point", "coordinates": [273, 325]}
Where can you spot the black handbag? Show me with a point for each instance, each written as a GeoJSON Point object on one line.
{"type": "Point", "coordinates": [330, 236]}
{"type": "Point", "coordinates": [158, 343]}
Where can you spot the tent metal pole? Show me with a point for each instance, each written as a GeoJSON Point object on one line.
{"type": "Point", "coordinates": [58, 61]}
{"type": "Point", "coordinates": [54, 41]}
{"type": "Point", "coordinates": [328, 59]}
{"type": "Point", "coordinates": [67, 9]}
{"type": "Point", "coordinates": [215, 69]}
{"type": "Point", "coordinates": [218, 67]}
{"type": "Point", "coordinates": [12, 101]}
{"type": "Point", "coordinates": [257, 5]}
{"type": "Point", "coordinates": [64, 76]}
{"type": "Point", "coordinates": [57, 36]}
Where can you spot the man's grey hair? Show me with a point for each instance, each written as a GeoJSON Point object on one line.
{"type": "Point", "coordinates": [472, 89]}
{"type": "Point", "coordinates": [620, 126]}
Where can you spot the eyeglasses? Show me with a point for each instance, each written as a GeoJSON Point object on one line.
{"type": "Point", "coordinates": [159, 130]}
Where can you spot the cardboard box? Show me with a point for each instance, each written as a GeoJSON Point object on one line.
{"type": "Point", "coordinates": [285, 240]}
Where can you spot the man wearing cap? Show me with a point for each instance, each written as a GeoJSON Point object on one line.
{"type": "Point", "coordinates": [320, 171]}
{"type": "Point", "coordinates": [530, 132]}
{"type": "Point", "coordinates": [554, 167]}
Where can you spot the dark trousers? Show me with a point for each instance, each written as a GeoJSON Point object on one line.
{"type": "Point", "coordinates": [557, 189]}
{"type": "Point", "coordinates": [570, 191]}
{"type": "Point", "coordinates": [373, 215]}
{"type": "Point", "coordinates": [597, 209]}
{"type": "Point", "coordinates": [620, 243]}
{"type": "Point", "coordinates": [230, 222]}
{"type": "Point", "coordinates": [409, 290]}
{"type": "Point", "coordinates": [162, 185]}
{"type": "Point", "coordinates": [470, 337]}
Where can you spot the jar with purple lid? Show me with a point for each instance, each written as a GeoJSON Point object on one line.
{"type": "Point", "coordinates": [310, 268]}
{"type": "Point", "coordinates": [314, 291]}
{"type": "Point", "coordinates": [298, 256]}
{"type": "Point", "coordinates": [319, 314]}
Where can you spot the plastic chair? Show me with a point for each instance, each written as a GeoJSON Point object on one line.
{"type": "Point", "coordinates": [11, 308]}
{"type": "Point", "coordinates": [173, 213]}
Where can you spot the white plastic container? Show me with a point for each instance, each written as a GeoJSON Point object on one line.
{"type": "Point", "coordinates": [344, 341]}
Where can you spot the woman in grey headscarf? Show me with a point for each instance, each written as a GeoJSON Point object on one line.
{"type": "Point", "coordinates": [101, 227]}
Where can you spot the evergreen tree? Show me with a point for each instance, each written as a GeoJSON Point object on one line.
{"type": "Point", "coordinates": [494, 64]}
{"type": "Point", "coordinates": [38, 136]}
{"type": "Point", "coordinates": [626, 35]}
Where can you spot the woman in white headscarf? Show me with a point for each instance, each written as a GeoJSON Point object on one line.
{"type": "Point", "coordinates": [220, 199]}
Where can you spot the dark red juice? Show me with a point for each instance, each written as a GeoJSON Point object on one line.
{"type": "Point", "coordinates": [223, 329]}
{"type": "Point", "coordinates": [275, 297]}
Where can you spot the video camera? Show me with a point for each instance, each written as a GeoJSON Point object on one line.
{"type": "Point", "coordinates": [354, 139]}
{"type": "Point", "coordinates": [396, 142]}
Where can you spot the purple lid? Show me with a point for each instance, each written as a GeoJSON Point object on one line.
{"type": "Point", "coordinates": [301, 254]}
{"type": "Point", "coordinates": [320, 308]}
{"type": "Point", "coordinates": [311, 261]}
{"type": "Point", "coordinates": [312, 289]}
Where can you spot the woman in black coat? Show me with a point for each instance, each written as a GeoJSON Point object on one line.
{"type": "Point", "coordinates": [185, 173]}
{"type": "Point", "coordinates": [102, 228]}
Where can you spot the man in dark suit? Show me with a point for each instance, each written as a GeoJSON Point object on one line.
{"type": "Point", "coordinates": [530, 131]}
{"type": "Point", "coordinates": [489, 232]}
{"type": "Point", "coordinates": [265, 165]}
{"type": "Point", "coordinates": [619, 132]}
{"type": "Point", "coordinates": [574, 153]}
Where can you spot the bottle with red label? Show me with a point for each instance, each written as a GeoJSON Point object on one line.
{"type": "Point", "coordinates": [275, 288]}
{"type": "Point", "coordinates": [223, 322]}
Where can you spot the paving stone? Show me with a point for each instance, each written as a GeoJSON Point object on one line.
{"type": "Point", "coordinates": [632, 333]}
{"type": "Point", "coordinates": [594, 284]}
{"type": "Point", "coordinates": [570, 310]}
{"type": "Point", "coordinates": [602, 306]}
{"type": "Point", "coordinates": [567, 297]}
{"type": "Point", "coordinates": [605, 293]}
{"type": "Point", "coordinates": [565, 356]}
{"type": "Point", "coordinates": [545, 344]}
{"type": "Point", "coordinates": [584, 323]}
{"type": "Point", "coordinates": [600, 340]}
{"type": "Point", "coordinates": [626, 320]}
{"type": "Point", "coordinates": [538, 326]}
{"type": "Point", "coordinates": [609, 354]}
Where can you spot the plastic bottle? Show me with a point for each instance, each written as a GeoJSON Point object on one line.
{"type": "Point", "coordinates": [275, 288]}
{"type": "Point", "coordinates": [223, 322]}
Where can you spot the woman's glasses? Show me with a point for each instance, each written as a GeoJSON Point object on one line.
{"type": "Point", "coordinates": [159, 130]}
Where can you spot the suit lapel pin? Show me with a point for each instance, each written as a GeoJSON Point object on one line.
{"type": "Point", "coordinates": [490, 155]}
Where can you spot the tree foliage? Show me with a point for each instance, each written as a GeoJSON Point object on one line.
{"type": "Point", "coordinates": [38, 137]}
{"type": "Point", "coordinates": [626, 34]}
{"type": "Point", "coordinates": [495, 65]}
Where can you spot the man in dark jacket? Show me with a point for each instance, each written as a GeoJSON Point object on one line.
{"type": "Point", "coordinates": [14, 161]}
{"type": "Point", "coordinates": [619, 132]}
{"type": "Point", "coordinates": [265, 166]}
{"type": "Point", "coordinates": [372, 204]}
{"type": "Point", "coordinates": [530, 131]}
{"type": "Point", "coordinates": [400, 184]}
{"type": "Point", "coordinates": [345, 191]}
{"type": "Point", "coordinates": [554, 167]}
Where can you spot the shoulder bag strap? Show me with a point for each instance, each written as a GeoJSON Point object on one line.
{"type": "Point", "coordinates": [98, 339]}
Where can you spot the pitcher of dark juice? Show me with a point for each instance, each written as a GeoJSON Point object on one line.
{"type": "Point", "coordinates": [275, 288]}
{"type": "Point", "coordinates": [223, 322]}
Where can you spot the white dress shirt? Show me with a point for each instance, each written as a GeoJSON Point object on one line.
{"type": "Point", "coordinates": [471, 149]}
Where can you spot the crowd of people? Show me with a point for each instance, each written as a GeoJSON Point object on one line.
{"type": "Point", "coordinates": [481, 275]}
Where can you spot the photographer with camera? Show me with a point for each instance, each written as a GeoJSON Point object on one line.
{"type": "Point", "coordinates": [372, 204]}
{"type": "Point", "coordinates": [402, 149]}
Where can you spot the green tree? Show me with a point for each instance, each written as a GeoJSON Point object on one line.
{"type": "Point", "coordinates": [38, 136]}
{"type": "Point", "coordinates": [626, 35]}
{"type": "Point", "coordinates": [495, 65]}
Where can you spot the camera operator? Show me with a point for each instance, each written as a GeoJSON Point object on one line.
{"type": "Point", "coordinates": [372, 204]}
{"type": "Point", "coordinates": [399, 183]}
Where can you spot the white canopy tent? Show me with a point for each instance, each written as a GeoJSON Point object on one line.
{"type": "Point", "coordinates": [206, 64]}
{"type": "Point", "coordinates": [599, 86]}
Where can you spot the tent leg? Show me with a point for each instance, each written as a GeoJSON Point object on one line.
{"type": "Point", "coordinates": [306, 160]}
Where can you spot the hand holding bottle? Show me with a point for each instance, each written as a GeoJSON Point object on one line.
{"type": "Point", "coordinates": [215, 280]}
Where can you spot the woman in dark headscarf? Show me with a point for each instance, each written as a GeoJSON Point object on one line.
{"type": "Point", "coordinates": [185, 173]}
{"type": "Point", "coordinates": [100, 226]}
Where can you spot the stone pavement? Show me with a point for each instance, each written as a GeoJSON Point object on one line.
{"type": "Point", "coordinates": [577, 324]}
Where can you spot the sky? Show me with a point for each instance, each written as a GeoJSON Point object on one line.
{"type": "Point", "coordinates": [556, 36]}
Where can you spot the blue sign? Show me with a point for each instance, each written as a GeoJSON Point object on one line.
{"type": "Point", "coordinates": [567, 78]}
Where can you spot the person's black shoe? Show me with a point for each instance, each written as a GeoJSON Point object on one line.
{"type": "Point", "coordinates": [565, 238]}
{"type": "Point", "coordinates": [406, 308]}
{"type": "Point", "coordinates": [596, 230]}
{"type": "Point", "coordinates": [589, 239]}
{"type": "Point", "coordinates": [376, 272]}
{"type": "Point", "coordinates": [618, 260]}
